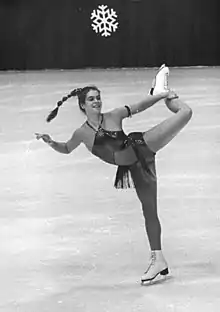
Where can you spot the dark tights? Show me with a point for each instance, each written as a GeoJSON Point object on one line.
{"type": "Point", "coordinates": [146, 190]}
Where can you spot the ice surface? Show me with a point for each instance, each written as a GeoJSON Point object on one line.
{"type": "Point", "coordinates": [69, 240]}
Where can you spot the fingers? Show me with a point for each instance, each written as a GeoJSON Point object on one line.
{"type": "Point", "coordinates": [172, 95]}
{"type": "Point", "coordinates": [44, 137]}
{"type": "Point", "coordinates": [38, 136]}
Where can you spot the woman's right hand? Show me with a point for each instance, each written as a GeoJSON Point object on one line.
{"type": "Point", "coordinates": [45, 137]}
{"type": "Point", "coordinates": [172, 95]}
{"type": "Point", "coordinates": [164, 94]}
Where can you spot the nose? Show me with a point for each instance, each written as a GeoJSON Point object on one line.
{"type": "Point", "coordinates": [97, 101]}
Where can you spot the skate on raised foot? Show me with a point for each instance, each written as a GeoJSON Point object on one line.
{"type": "Point", "coordinates": [157, 266]}
{"type": "Point", "coordinates": [160, 83]}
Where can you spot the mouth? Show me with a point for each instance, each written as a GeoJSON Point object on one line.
{"type": "Point", "coordinates": [97, 106]}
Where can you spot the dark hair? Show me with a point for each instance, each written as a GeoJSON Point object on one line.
{"type": "Point", "coordinates": [80, 93]}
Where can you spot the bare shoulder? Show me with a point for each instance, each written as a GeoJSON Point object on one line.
{"type": "Point", "coordinates": [75, 140]}
{"type": "Point", "coordinates": [77, 134]}
{"type": "Point", "coordinates": [82, 130]}
{"type": "Point", "coordinates": [119, 113]}
{"type": "Point", "coordinates": [85, 133]}
{"type": "Point", "coordinates": [80, 133]}
{"type": "Point", "coordinates": [87, 136]}
{"type": "Point", "coordinates": [112, 120]}
{"type": "Point", "coordinates": [112, 115]}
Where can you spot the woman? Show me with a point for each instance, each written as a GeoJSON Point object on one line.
{"type": "Point", "coordinates": [134, 154]}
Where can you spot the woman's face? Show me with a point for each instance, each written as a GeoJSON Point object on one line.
{"type": "Point", "coordinates": [93, 102]}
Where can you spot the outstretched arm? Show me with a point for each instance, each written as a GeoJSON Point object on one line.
{"type": "Point", "coordinates": [62, 147]}
{"type": "Point", "coordinates": [149, 101]}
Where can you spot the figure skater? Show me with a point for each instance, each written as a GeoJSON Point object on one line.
{"type": "Point", "coordinates": [134, 154]}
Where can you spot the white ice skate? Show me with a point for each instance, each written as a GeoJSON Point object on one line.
{"type": "Point", "coordinates": [160, 83]}
{"type": "Point", "coordinates": [158, 265]}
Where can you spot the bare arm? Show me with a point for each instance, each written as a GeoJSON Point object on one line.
{"type": "Point", "coordinates": [149, 101]}
{"type": "Point", "coordinates": [62, 147]}
{"type": "Point", "coordinates": [75, 141]}
{"type": "Point", "coordinates": [59, 147]}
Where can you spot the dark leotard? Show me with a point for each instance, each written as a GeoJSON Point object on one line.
{"type": "Point", "coordinates": [129, 152]}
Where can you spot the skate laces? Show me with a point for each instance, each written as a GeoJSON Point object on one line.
{"type": "Point", "coordinates": [153, 258]}
{"type": "Point", "coordinates": [152, 261]}
{"type": "Point", "coordinates": [166, 81]}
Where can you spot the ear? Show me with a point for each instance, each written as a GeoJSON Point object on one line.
{"type": "Point", "coordinates": [82, 105]}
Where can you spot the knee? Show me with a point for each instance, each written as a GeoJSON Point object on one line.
{"type": "Point", "coordinates": [189, 112]}
{"type": "Point", "coordinates": [186, 114]}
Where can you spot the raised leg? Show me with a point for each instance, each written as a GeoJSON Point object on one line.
{"type": "Point", "coordinates": [160, 135]}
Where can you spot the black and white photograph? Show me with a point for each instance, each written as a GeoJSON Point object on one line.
{"type": "Point", "coordinates": [109, 156]}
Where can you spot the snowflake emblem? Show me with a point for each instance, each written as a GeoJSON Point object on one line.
{"type": "Point", "coordinates": [104, 20]}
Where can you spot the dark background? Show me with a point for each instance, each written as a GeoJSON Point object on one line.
{"type": "Point", "coordinates": [57, 34]}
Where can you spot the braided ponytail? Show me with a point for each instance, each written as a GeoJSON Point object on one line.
{"type": "Point", "coordinates": [54, 112]}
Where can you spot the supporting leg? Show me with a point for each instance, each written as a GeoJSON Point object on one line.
{"type": "Point", "coordinates": [157, 264]}
{"type": "Point", "coordinates": [148, 198]}
{"type": "Point", "coordinates": [146, 189]}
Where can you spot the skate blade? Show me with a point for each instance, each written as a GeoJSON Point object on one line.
{"type": "Point", "coordinates": [160, 276]}
{"type": "Point", "coordinates": [157, 281]}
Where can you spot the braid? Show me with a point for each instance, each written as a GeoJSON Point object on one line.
{"type": "Point", "coordinates": [54, 112]}
{"type": "Point", "coordinates": [75, 92]}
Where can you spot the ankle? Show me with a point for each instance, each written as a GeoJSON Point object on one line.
{"type": "Point", "coordinates": [158, 255]}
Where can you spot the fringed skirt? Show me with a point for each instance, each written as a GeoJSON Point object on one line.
{"type": "Point", "coordinates": [142, 173]}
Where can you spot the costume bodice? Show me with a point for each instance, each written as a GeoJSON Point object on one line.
{"type": "Point", "coordinates": [112, 146]}
{"type": "Point", "coordinates": [128, 152]}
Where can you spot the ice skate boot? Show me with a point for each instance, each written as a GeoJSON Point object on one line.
{"type": "Point", "coordinates": [158, 265]}
{"type": "Point", "coordinates": [160, 83]}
